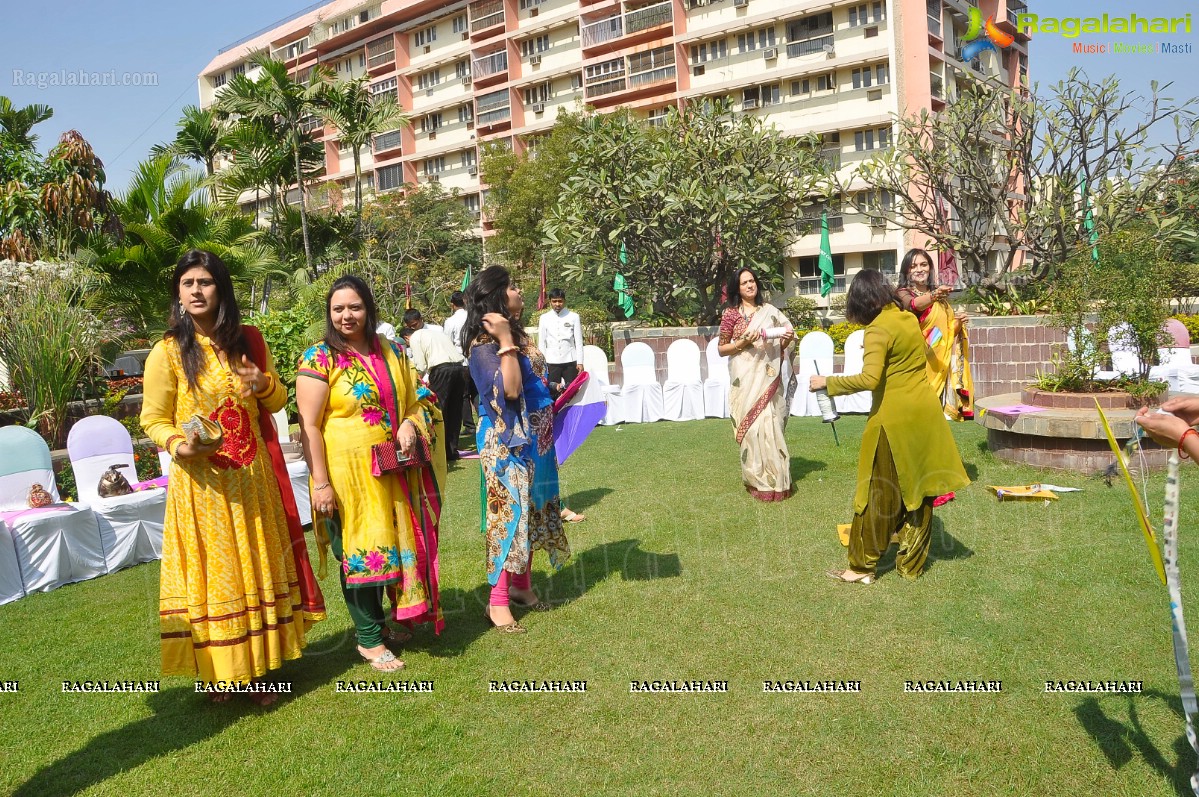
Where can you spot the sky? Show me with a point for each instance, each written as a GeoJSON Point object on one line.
{"type": "Point", "coordinates": [167, 44]}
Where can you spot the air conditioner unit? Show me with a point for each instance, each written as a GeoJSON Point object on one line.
{"type": "Point", "coordinates": [698, 70]}
{"type": "Point", "coordinates": [537, 107]}
{"type": "Point", "coordinates": [534, 11]}
{"type": "Point", "coordinates": [874, 94]}
{"type": "Point", "coordinates": [472, 170]}
{"type": "Point", "coordinates": [829, 50]}
{"type": "Point", "coordinates": [740, 3]}
{"type": "Point", "coordinates": [434, 178]}
{"type": "Point", "coordinates": [428, 92]}
{"type": "Point", "coordinates": [749, 105]}
{"type": "Point", "coordinates": [534, 60]}
{"type": "Point", "coordinates": [470, 124]}
{"type": "Point", "coordinates": [770, 54]}
{"type": "Point", "coordinates": [428, 48]}
{"type": "Point", "coordinates": [465, 35]}
{"type": "Point", "coordinates": [432, 134]}
{"type": "Point", "coordinates": [365, 16]}
{"type": "Point", "coordinates": [466, 80]}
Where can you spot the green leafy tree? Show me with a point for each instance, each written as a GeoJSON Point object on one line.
{"type": "Point", "coordinates": [707, 192]}
{"type": "Point", "coordinates": [200, 137]}
{"type": "Point", "coordinates": [16, 124]}
{"type": "Point", "coordinates": [359, 117]}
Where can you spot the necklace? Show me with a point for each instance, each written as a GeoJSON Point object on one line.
{"type": "Point", "coordinates": [744, 315]}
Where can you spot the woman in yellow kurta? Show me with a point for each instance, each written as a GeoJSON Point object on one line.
{"type": "Point", "coordinates": [944, 331]}
{"type": "Point", "coordinates": [908, 455]}
{"type": "Point", "coordinates": [353, 390]}
{"type": "Point", "coordinates": [230, 603]}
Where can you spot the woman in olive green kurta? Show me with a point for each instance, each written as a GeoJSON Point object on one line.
{"type": "Point", "coordinates": [908, 454]}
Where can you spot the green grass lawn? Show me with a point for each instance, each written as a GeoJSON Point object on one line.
{"type": "Point", "coordinates": [676, 574]}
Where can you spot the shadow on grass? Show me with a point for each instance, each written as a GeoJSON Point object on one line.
{"type": "Point", "coordinates": [583, 499]}
{"type": "Point", "coordinates": [1117, 739]}
{"type": "Point", "coordinates": [971, 470]}
{"type": "Point", "coordinates": [181, 718]}
{"type": "Point", "coordinates": [942, 546]}
{"type": "Point", "coordinates": [801, 467]}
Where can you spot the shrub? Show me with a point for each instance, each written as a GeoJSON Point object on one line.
{"type": "Point", "coordinates": [1191, 322]}
{"type": "Point", "coordinates": [287, 335]}
{"type": "Point", "coordinates": [839, 332]}
{"type": "Point", "coordinates": [802, 312]}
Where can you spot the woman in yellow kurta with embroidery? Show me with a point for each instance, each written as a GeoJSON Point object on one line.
{"type": "Point", "coordinates": [352, 389]}
{"type": "Point", "coordinates": [908, 456]}
{"type": "Point", "coordinates": [944, 331]}
{"type": "Point", "coordinates": [230, 604]}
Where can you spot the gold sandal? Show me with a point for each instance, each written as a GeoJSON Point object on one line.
{"type": "Point", "coordinates": [508, 628]}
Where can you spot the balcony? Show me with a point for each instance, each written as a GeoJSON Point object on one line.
{"type": "Point", "coordinates": [937, 87]}
{"type": "Point", "coordinates": [1009, 23]}
{"type": "Point", "coordinates": [648, 17]}
{"type": "Point", "coordinates": [387, 141]}
{"type": "Point", "coordinates": [653, 76]}
{"type": "Point", "coordinates": [606, 87]}
{"type": "Point", "coordinates": [489, 65]}
{"type": "Point", "coordinates": [934, 26]}
{"type": "Point", "coordinates": [290, 51]}
{"type": "Point", "coordinates": [605, 30]}
{"type": "Point", "coordinates": [486, 14]}
{"type": "Point", "coordinates": [491, 109]}
{"type": "Point", "coordinates": [831, 158]}
{"type": "Point", "coordinates": [810, 46]}
{"type": "Point", "coordinates": [380, 52]}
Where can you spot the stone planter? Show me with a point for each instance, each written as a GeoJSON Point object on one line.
{"type": "Point", "coordinates": [1067, 435]}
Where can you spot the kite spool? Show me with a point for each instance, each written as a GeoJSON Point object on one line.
{"type": "Point", "coordinates": [828, 413]}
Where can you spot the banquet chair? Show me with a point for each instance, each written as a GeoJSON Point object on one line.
{"type": "Point", "coordinates": [683, 392]}
{"type": "Point", "coordinates": [716, 386]}
{"type": "Point", "coordinates": [640, 396]}
{"type": "Point", "coordinates": [854, 354]}
{"type": "Point", "coordinates": [130, 525]}
{"type": "Point", "coordinates": [297, 468]}
{"type": "Point", "coordinates": [815, 357]}
{"type": "Point", "coordinates": [57, 544]}
{"type": "Point", "coordinates": [595, 363]}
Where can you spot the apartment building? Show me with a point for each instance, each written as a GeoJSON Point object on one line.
{"type": "Point", "coordinates": [498, 70]}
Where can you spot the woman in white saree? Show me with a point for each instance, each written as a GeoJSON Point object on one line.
{"type": "Point", "coordinates": [756, 338]}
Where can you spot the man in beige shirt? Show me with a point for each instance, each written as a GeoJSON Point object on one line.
{"type": "Point", "coordinates": [440, 362]}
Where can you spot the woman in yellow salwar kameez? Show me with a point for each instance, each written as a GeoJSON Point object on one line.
{"type": "Point", "coordinates": [944, 331]}
{"type": "Point", "coordinates": [236, 595]}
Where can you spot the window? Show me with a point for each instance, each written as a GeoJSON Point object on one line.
{"type": "Point", "coordinates": [219, 80]}
{"type": "Point", "coordinates": [816, 83]}
{"type": "Point", "coordinates": [653, 59]}
{"type": "Point", "coordinates": [540, 93]}
{"type": "Point", "coordinates": [882, 74]}
{"type": "Point", "coordinates": [386, 141]}
{"type": "Point", "coordinates": [885, 262]}
{"type": "Point", "coordinates": [709, 51]}
{"type": "Point", "coordinates": [465, 113]}
{"type": "Point", "coordinates": [425, 37]}
{"type": "Point", "coordinates": [862, 77]}
{"type": "Point", "coordinates": [597, 72]}
{"type": "Point", "coordinates": [866, 12]}
{"type": "Point", "coordinates": [462, 69]}
{"type": "Point", "coordinates": [759, 96]}
{"type": "Point", "coordinates": [538, 45]}
{"type": "Point", "coordinates": [380, 51]}
{"type": "Point", "coordinates": [876, 138]}
{"type": "Point", "coordinates": [430, 122]}
{"type": "Point", "coordinates": [808, 27]}
{"type": "Point", "coordinates": [472, 202]}
{"type": "Point", "coordinates": [808, 271]}
{"type": "Point", "coordinates": [427, 80]}
{"type": "Point", "coordinates": [388, 177]}
{"type": "Point", "coordinates": [468, 158]}
{"type": "Point", "coordinates": [435, 165]}
{"type": "Point", "coordinates": [657, 117]}
{"type": "Point", "coordinates": [747, 42]}
{"type": "Point", "coordinates": [343, 145]}
{"type": "Point", "coordinates": [459, 24]}
{"type": "Point", "coordinates": [527, 4]}
{"type": "Point", "coordinates": [362, 60]}
{"type": "Point", "coordinates": [387, 86]}
{"type": "Point", "coordinates": [240, 69]}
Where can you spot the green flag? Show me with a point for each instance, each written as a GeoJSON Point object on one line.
{"type": "Point", "coordinates": [1088, 221]}
{"type": "Point", "coordinates": [465, 279]}
{"type": "Point", "coordinates": [623, 298]}
{"type": "Point", "coordinates": [826, 257]}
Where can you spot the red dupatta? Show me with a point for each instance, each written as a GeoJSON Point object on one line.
{"type": "Point", "coordinates": [311, 600]}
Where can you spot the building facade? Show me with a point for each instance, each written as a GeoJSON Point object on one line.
{"type": "Point", "coordinates": [470, 73]}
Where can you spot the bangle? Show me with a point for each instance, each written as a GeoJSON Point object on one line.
{"type": "Point", "coordinates": [1190, 431]}
{"type": "Point", "coordinates": [320, 486]}
{"type": "Point", "coordinates": [266, 386]}
{"type": "Point", "coordinates": [508, 350]}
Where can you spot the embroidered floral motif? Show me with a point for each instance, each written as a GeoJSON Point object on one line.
{"type": "Point", "coordinates": [372, 415]}
{"type": "Point", "coordinates": [239, 445]}
{"type": "Point", "coordinates": [542, 423]}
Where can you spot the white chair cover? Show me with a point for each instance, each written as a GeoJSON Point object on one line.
{"type": "Point", "coordinates": [815, 357]}
{"type": "Point", "coordinates": [1124, 355]}
{"type": "Point", "coordinates": [683, 393]}
{"type": "Point", "coordinates": [55, 545]}
{"type": "Point", "coordinates": [854, 353]}
{"type": "Point", "coordinates": [297, 472]}
{"type": "Point", "coordinates": [595, 363]}
{"type": "Point", "coordinates": [716, 386]}
{"type": "Point", "coordinates": [640, 396]}
{"type": "Point", "coordinates": [130, 525]}
{"type": "Point", "coordinates": [11, 587]}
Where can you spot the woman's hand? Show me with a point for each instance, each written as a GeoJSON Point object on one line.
{"type": "Point", "coordinates": [747, 342]}
{"type": "Point", "coordinates": [788, 337]}
{"type": "Point", "coordinates": [324, 500]}
{"type": "Point", "coordinates": [1184, 407]}
{"type": "Point", "coordinates": [1164, 429]}
{"type": "Point", "coordinates": [406, 437]}
{"type": "Point", "coordinates": [251, 377]}
{"type": "Point", "coordinates": [816, 383]}
{"type": "Point", "coordinates": [941, 292]}
{"type": "Point", "coordinates": [498, 326]}
{"type": "Point", "coordinates": [193, 448]}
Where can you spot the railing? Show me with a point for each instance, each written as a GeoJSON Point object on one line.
{"type": "Point", "coordinates": [489, 118]}
{"type": "Point", "coordinates": [486, 14]}
{"type": "Point", "coordinates": [934, 26]}
{"type": "Point", "coordinates": [809, 46]}
{"type": "Point", "coordinates": [648, 17]}
{"type": "Point", "coordinates": [809, 223]}
{"type": "Point", "coordinates": [653, 76]}
{"type": "Point", "coordinates": [811, 285]}
{"type": "Point", "coordinates": [386, 141]}
{"type": "Point", "coordinates": [831, 158]}
{"type": "Point", "coordinates": [493, 101]}
{"type": "Point", "coordinates": [380, 51]}
{"type": "Point", "coordinates": [490, 64]}
{"type": "Point", "coordinates": [603, 31]}
{"type": "Point", "coordinates": [1013, 14]}
{"type": "Point", "coordinates": [607, 87]}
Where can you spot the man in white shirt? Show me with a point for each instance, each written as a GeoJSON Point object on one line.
{"type": "Point", "coordinates": [560, 338]}
{"type": "Point", "coordinates": [435, 356]}
{"type": "Point", "coordinates": [453, 327]}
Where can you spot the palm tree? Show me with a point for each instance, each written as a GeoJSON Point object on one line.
{"type": "Point", "coordinates": [277, 97]}
{"type": "Point", "coordinates": [200, 138]}
{"type": "Point", "coordinates": [359, 117]}
{"type": "Point", "coordinates": [16, 123]}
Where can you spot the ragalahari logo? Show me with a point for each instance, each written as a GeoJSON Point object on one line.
{"type": "Point", "coordinates": [992, 36]}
